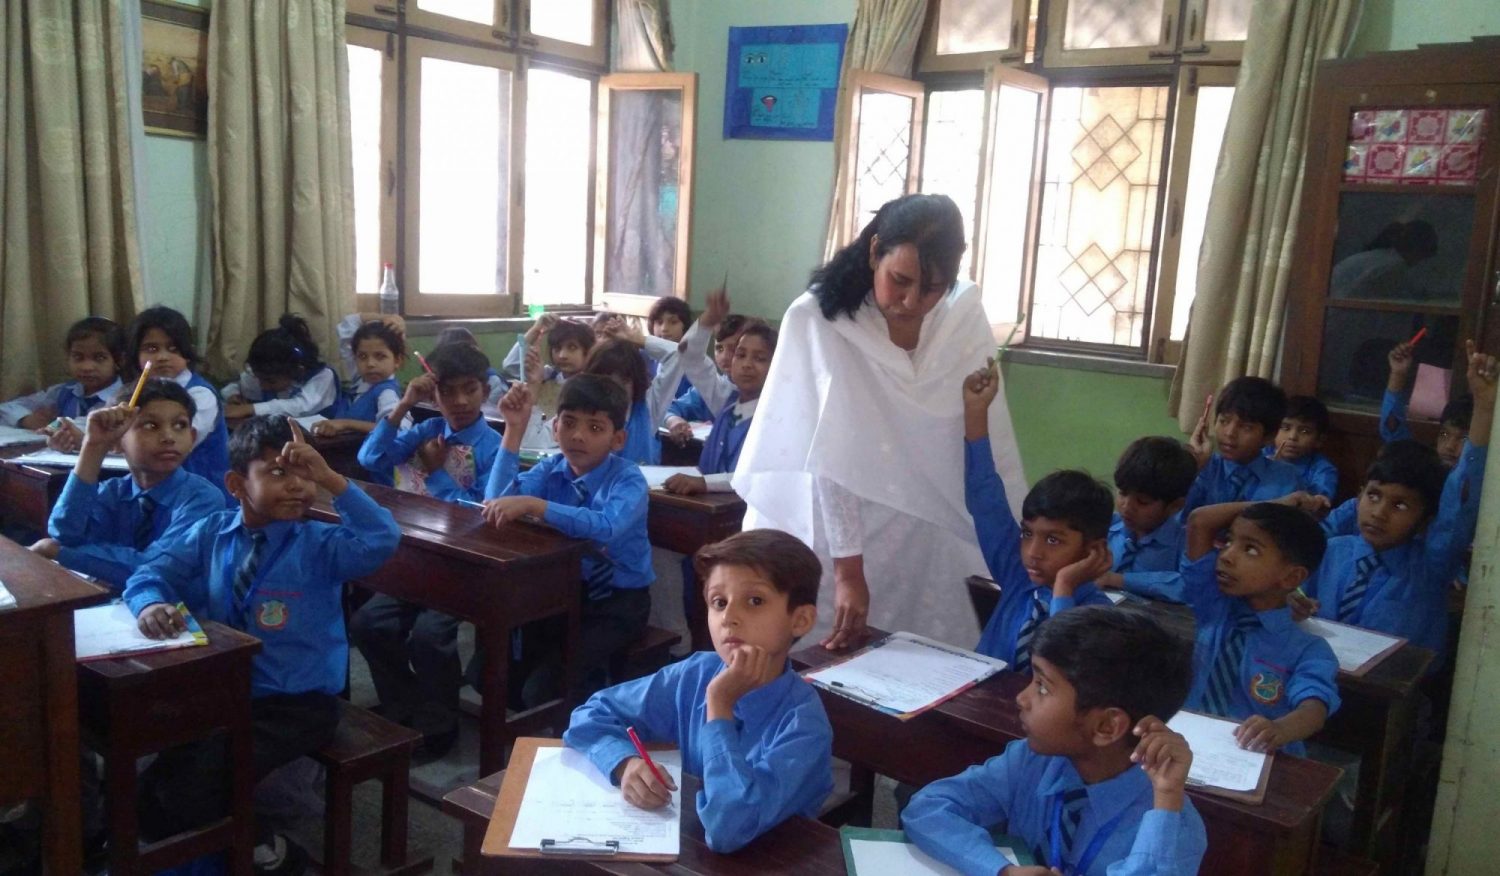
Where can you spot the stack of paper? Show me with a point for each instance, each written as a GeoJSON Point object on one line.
{"type": "Point", "coordinates": [656, 475]}
{"type": "Point", "coordinates": [10, 436]}
{"type": "Point", "coordinates": [1218, 760]}
{"type": "Point", "coordinates": [568, 799]}
{"type": "Point", "coordinates": [905, 673]}
{"type": "Point", "coordinates": [111, 631]}
{"type": "Point", "coordinates": [58, 459]}
{"type": "Point", "coordinates": [1357, 648]}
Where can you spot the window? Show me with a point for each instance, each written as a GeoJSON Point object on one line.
{"type": "Point", "coordinates": [1084, 176]}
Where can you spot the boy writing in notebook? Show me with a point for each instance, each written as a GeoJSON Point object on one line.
{"type": "Point", "coordinates": [262, 570]}
{"type": "Point", "coordinates": [746, 723]}
{"type": "Point", "coordinates": [1145, 537]}
{"type": "Point", "coordinates": [1251, 663]}
{"type": "Point", "coordinates": [588, 492]}
{"type": "Point", "coordinates": [1099, 783]}
{"type": "Point", "coordinates": [1048, 563]}
{"type": "Point", "coordinates": [1246, 417]}
{"type": "Point", "coordinates": [104, 526]}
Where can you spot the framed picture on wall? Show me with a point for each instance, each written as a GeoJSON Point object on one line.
{"type": "Point", "coordinates": [174, 68]}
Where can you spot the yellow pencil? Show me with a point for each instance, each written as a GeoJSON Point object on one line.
{"type": "Point", "coordinates": [140, 384]}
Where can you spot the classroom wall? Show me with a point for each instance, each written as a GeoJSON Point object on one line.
{"type": "Point", "coordinates": [1392, 25]}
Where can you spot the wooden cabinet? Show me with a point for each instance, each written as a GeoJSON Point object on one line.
{"type": "Point", "coordinates": [1397, 232]}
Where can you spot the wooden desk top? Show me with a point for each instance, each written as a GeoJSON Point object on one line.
{"type": "Point", "coordinates": [154, 666]}
{"type": "Point", "coordinates": [15, 450]}
{"type": "Point", "coordinates": [41, 587]}
{"type": "Point", "coordinates": [796, 847]}
{"type": "Point", "coordinates": [1298, 787]}
{"type": "Point", "coordinates": [712, 504]}
{"type": "Point", "coordinates": [460, 530]}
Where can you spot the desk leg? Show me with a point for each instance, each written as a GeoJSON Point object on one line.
{"type": "Point", "coordinates": [63, 837]}
{"type": "Point", "coordinates": [1383, 773]}
{"type": "Point", "coordinates": [494, 682]}
{"type": "Point", "coordinates": [242, 774]}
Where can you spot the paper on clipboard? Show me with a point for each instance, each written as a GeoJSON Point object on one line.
{"type": "Point", "coordinates": [110, 630]}
{"type": "Point", "coordinates": [905, 673]}
{"type": "Point", "coordinates": [567, 798]}
{"type": "Point", "coordinates": [1218, 761]}
{"type": "Point", "coordinates": [1357, 648]}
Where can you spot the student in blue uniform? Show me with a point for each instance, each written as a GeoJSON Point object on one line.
{"type": "Point", "coordinates": [104, 527]}
{"type": "Point", "coordinates": [620, 360]}
{"type": "Point", "coordinates": [263, 570]}
{"type": "Point", "coordinates": [748, 370]}
{"type": "Point", "coordinates": [586, 491]}
{"type": "Point", "coordinates": [689, 407]}
{"type": "Point", "coordinates": [1299, 443]}
{"type": "Point", "coordinates": [284, 375]}
{"type": "Point", "coordinates": [1248, 413]}
{"type": "Point", "coordinates": [493, 379]}
{"type": "Point", "coordinates": [668, 319]}
{"type": "Point", "coordinates": [745, 721]}
{"type": "Point", "coordinates": [1250, 661]}
{"type": "Point", "coordinates": [1415, 521]}
{"type": "Point", "coordinates": [379, 352]}
{"type": "Point", "coordinates": [1098, 786]}
{"type": "Point", "coordinates": [1453, 422]}
{"type": "Point", "coordinates": [447, 457]}
{"type": "Point", "coordinates": [1048, 563]}
{"type": "Point", "coordinates": [96, 348]}
{"type": "Point", "coordinates": [568, 346]}
{"type": "Point", "coordinates": [1152, 479]}
{"type": "Point", "coordinates": [161, 336]}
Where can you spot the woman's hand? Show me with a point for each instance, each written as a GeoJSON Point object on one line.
{"type": "Point", "coordinates": [851, 603]}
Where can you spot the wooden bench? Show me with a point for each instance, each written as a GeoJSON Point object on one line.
{"type": "Point", "coordinates": [650, 652]}
{"type": "Point", "coordinates": [367, 747]}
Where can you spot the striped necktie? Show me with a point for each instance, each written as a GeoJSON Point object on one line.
{"type": "Point", "coordinates": [1237, 480]}
{"type": "Point", "coordinates": [1125, 562]}
{"type": "Point", "coordinates": [598, 568]}
{"type": "Point", "coordinates": [1354, 594]}
{"type": "Point", "coordinates": [87, 403]}
{"type": "Point", "coordinates": [1224, 679]}
{"type": "Point", "coordinates": [144, 526]}
{"type": "Point", "coordinates": [1073, 803]}
{"type": "Point", "coordinates": [244, 576]}
{"type": "Point", "coordinates": [1028, 631]}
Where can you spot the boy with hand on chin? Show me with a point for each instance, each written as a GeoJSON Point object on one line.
{"type": "Point", "coordinates": [103, 527]}
{"type": "Point", "coordinates": [746, 723]}
{"type": "Point", "coordinates": [1099, 783]}
{"type": "Point", "coordinates": [1047, 564]}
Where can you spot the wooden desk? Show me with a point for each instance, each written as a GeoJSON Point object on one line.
{"type": "Point", "coordinates": [451, 561]}
{"type": "Point", "coordinates": [28, 492]}
{"type": "Point", "coordinates": [686, 523]}
{"type": "Point", "coordinates": [146, 703]}
{"type": "Point", "coordinates": [673, 454]}
{"type": "Point", "coordinates": [796, 847]}
{"type": "Point", "coordinates": [39, 709]}
{"type": "Point", "coordinates": [1279, 836]}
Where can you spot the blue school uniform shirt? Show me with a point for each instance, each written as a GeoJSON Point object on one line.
{"type": "Point", "coordinates": [373, 402]}
{"type": "Point", "coordinates": [385, 448]}
{"type": "Point", "coordinates": [721, 452]}
{"type": "Point", "coordinates": [295, 603]}
{"type": "Point", "coordinates": [1393, 423]}
{"type": "Point", "coordinates": [1407, 592]}
{"type": "Point", "coordinates": [773, 761]}
{"type": "Point", "coordinates": [690, 406]}
{"type": "Point", "coordinates": [318, 393]}
{"type": "Point", "coordinates": [210, 459]}
{"type": "Point", "coordinates": [1149, 562]}
{"type": "Point", "coordinates": [1316, 473]}
{"type": "Point", "coordinates": [67, 398]}
{"type": "Point", "coordinates": [1259, 480]}
{"type": "Point", "coordinates": [641, 444]}
{"type": "Point", "coordinates": [106, 529]}
{"type": "Point", "coordinates": [1342, 520]}
{"type": "Point", "coordinates": [1283, 666]}
{"type": "Point", "coordinates": [1017, 790]}
{"type": "Point", "coordinates": [1000, 542]}
{"type": "Point", "coordinates": [607, 506]}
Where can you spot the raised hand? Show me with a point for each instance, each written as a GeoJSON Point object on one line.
{"type": "Point", "coordinates": [981, 386]}
{"type": "Point", "coordinates": [304, 459]}
{"type": "Point", "coordinates": [106, 426]}
{"type": "Point", "coordinates": [1400, 361]}
{"type": "Point", "coordinates": [516, 405]}
{"type": "Point", "coordinates": [715, 308]}
{"type": "Point", "coordinates": [422, 388]}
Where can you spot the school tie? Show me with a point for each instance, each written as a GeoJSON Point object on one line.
{"type": "Point", "coordinates": [1224, 678]}
{"type": "Point", "coordinates": [1028, 631]}
{"type": "Point", "coordinates": [86, 404]}
{"type": "Point", "coordinates": [598, 568]}
{"type": "Point", "coordinates": [1073, 803]}
{"type": "Point", "coordinates": [1237, 479]}
{"type": "Point", "coordinates": [1126, 561]}
{"type": "Point", "coordinates": [244, 576]}
{"type": "Point", "coordinates": [1354, 594]}
{"type": "Point", "coordinates": [143, 527]}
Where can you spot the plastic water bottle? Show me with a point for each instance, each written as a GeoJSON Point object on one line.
{"type": "Point", "coordinates": [390, 296]}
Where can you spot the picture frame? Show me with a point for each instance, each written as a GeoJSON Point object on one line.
{"type": "Point", "coordinates": [174, 69]}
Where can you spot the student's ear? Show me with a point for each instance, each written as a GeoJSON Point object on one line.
{"type": "Point", "coordinates": [618, 444]}
{"type": "Point", "coordinates": [234, 482]}
{"type": "Point", "coordinates": [1108, 725]}
{"type": "Point", "coordinates": [804, 617]}
{"type": "Point", "coordinates": [400, 361]}
{"type": "Point", "coordinates": [1294, 578]}
{"type": "Point", "coordinates": [192, 441]}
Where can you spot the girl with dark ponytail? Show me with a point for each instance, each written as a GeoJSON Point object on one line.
{"type": "Point", "coordinates": [284, 376]}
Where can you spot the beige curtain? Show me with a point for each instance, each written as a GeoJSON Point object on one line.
{"type": "Point", "coordinates": [643, 37]}
{"type": "Point", "coordinates": [68, 245]}
{"type": "Point", "coordinates": [281, 172]}
{"type": "Point", "coordinates": [883, 39]}
{"type": "Point", "coordinates": [1243, 266]}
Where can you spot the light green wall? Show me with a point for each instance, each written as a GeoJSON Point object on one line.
{"type": "Point", "coordinates": [175, 234]}
{"type": "Point", "coordinates": [1390, 25]}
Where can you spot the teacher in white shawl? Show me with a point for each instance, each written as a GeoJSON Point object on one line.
{"type": "Point", "coordinates": [857, 445]}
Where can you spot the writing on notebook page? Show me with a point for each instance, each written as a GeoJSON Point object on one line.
{"type": "Point", "coordinates": [906, 673]}
{"type": "Point", "coordinates": [1353, 646]}
{"type": "Point", "coordinates": [567, 798]}
{"type": "Point", "coordinates": [1218, 759]}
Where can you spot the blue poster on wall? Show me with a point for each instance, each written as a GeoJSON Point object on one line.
{"type": "Point", "coordinates": [783, 82]}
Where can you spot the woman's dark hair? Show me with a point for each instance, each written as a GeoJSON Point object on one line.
{"type": "Point", "coordinates": [617, 358]}
{"type": "Point", "coordinates": [285, 351]}
{"type": "Point", "coordinates": [177, 330]}
{"type": "Point", "coordinates": [931, 223]}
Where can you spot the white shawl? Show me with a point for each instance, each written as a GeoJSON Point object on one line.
{"type": "Point", "coordinates": [842, 402]}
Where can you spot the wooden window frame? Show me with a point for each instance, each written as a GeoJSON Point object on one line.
{"type": "Point", "coordinates": [416, 302]}
{"type": "Point", "coordinates": [929, 61]}
{"type": "Point", "coordinates": [386, 9]}
{"type": "Point", "coordinates": [858, 83]}
{"type": "Point", "coordinates": [595, 54]}
{"type": "Point", "coordinates": [687, 84]}
{"type": "Point", "coordinates": [1199, 50]}
{"type": "Point", "coordinates": [498, 34]}
{"type": "Point", "coordinates": [1164, 51]}
{"type": "Point", "coordinates": [588, 231]}
{"type": "Point", "coordinates": [387, 43]}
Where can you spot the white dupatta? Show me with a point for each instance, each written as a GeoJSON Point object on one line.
{"type": "Point", "coordinates": [842, 402]}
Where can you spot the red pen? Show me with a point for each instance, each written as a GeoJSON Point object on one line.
{"type": "Point", "coordinates": [641, 750]}
{"type": "Point", "coordinates": [1417, 337]}
{"type": "Point", "coordinates": [425, 366]}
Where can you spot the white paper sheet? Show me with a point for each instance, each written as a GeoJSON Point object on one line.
{"type": "Point", "coordinates": [656, 475]}
{"type": "Point", "coordinates": [700, 430]}
{"type": "Point", "coordinates": [58, 459]}
{"type": "Point", "coordinates": [1217, 759]}
{"type": "Point", "coordinates": [907, 673]}
{"type": "Point", "coordinates": [1114, 596]}
{"type": "Point", "coordinates": [111, 629]}
{"type": "Point", "coordinates": [567, 798]}
{"type": "Point", "coordinates": [1354, 646]}
{"type": "Point", "coordinates": [310, 420]}
{"type": "Point", "coordinates": [10, 436]}
{"type": "Point", "coordinates": [882, 858]}
{"type": "Point", "coordinates": [7, 599]}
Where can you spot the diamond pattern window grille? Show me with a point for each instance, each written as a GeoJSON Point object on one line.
{"type": "Point", "coordinates": [884, 154]}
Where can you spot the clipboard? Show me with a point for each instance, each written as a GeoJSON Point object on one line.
{"type": "Point", "coordinates": [508, 804]}
{"type": "Point", "coordinates": [1255, 796]}
{"type": "Point", "coordinates": [847, 834]}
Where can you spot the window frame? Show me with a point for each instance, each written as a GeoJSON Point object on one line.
{"type": "Point", "coordinates": [382, 9]}
{"type": "Point", "coordinates": [1162, 52]}
{"type": "Point", "coordinates": [1194, 38]}
{"type": "Point", "coordinates": [388, 44]}
{"type": "Point", "coordinates": [858, 83]}
{"type": "Point", "coordinates": [595, 54]}
{"type": "Point", "coordinates": [497, 35]}
{"type": "Point", "coordinates": [929, 61]}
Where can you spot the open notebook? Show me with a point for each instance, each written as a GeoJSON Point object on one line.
{"type": "Point", "coordinates": [1220, 766]}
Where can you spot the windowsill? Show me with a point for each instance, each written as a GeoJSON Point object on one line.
{"type": "Point", "coordinates": [1085, 362]}
{"type": "Point", "coordinates": [432, 326]}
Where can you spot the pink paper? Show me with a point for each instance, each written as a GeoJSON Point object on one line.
{"type": "Point", "coordinates": [1430, 393]}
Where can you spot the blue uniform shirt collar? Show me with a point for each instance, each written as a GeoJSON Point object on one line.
{"type": "Point", "coordinates": [1275, 620]}
{"type": "Point", "coordinates": [592, 479]}
{"type": "Point", "coordinates": [163, 492]}
{"type": "Point", "coordinates": [105, 396]}
{"type": "Point", "coordinates": [469, 434]}
{"type": "Point", "coordinates": [1391, 558]}
{"type": "Point", "coordinates": [1118, 527]}
{"type": "Point", "coordinates": [1107, 798]}
{"type": "Point", "coordinates": [276, 532]}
